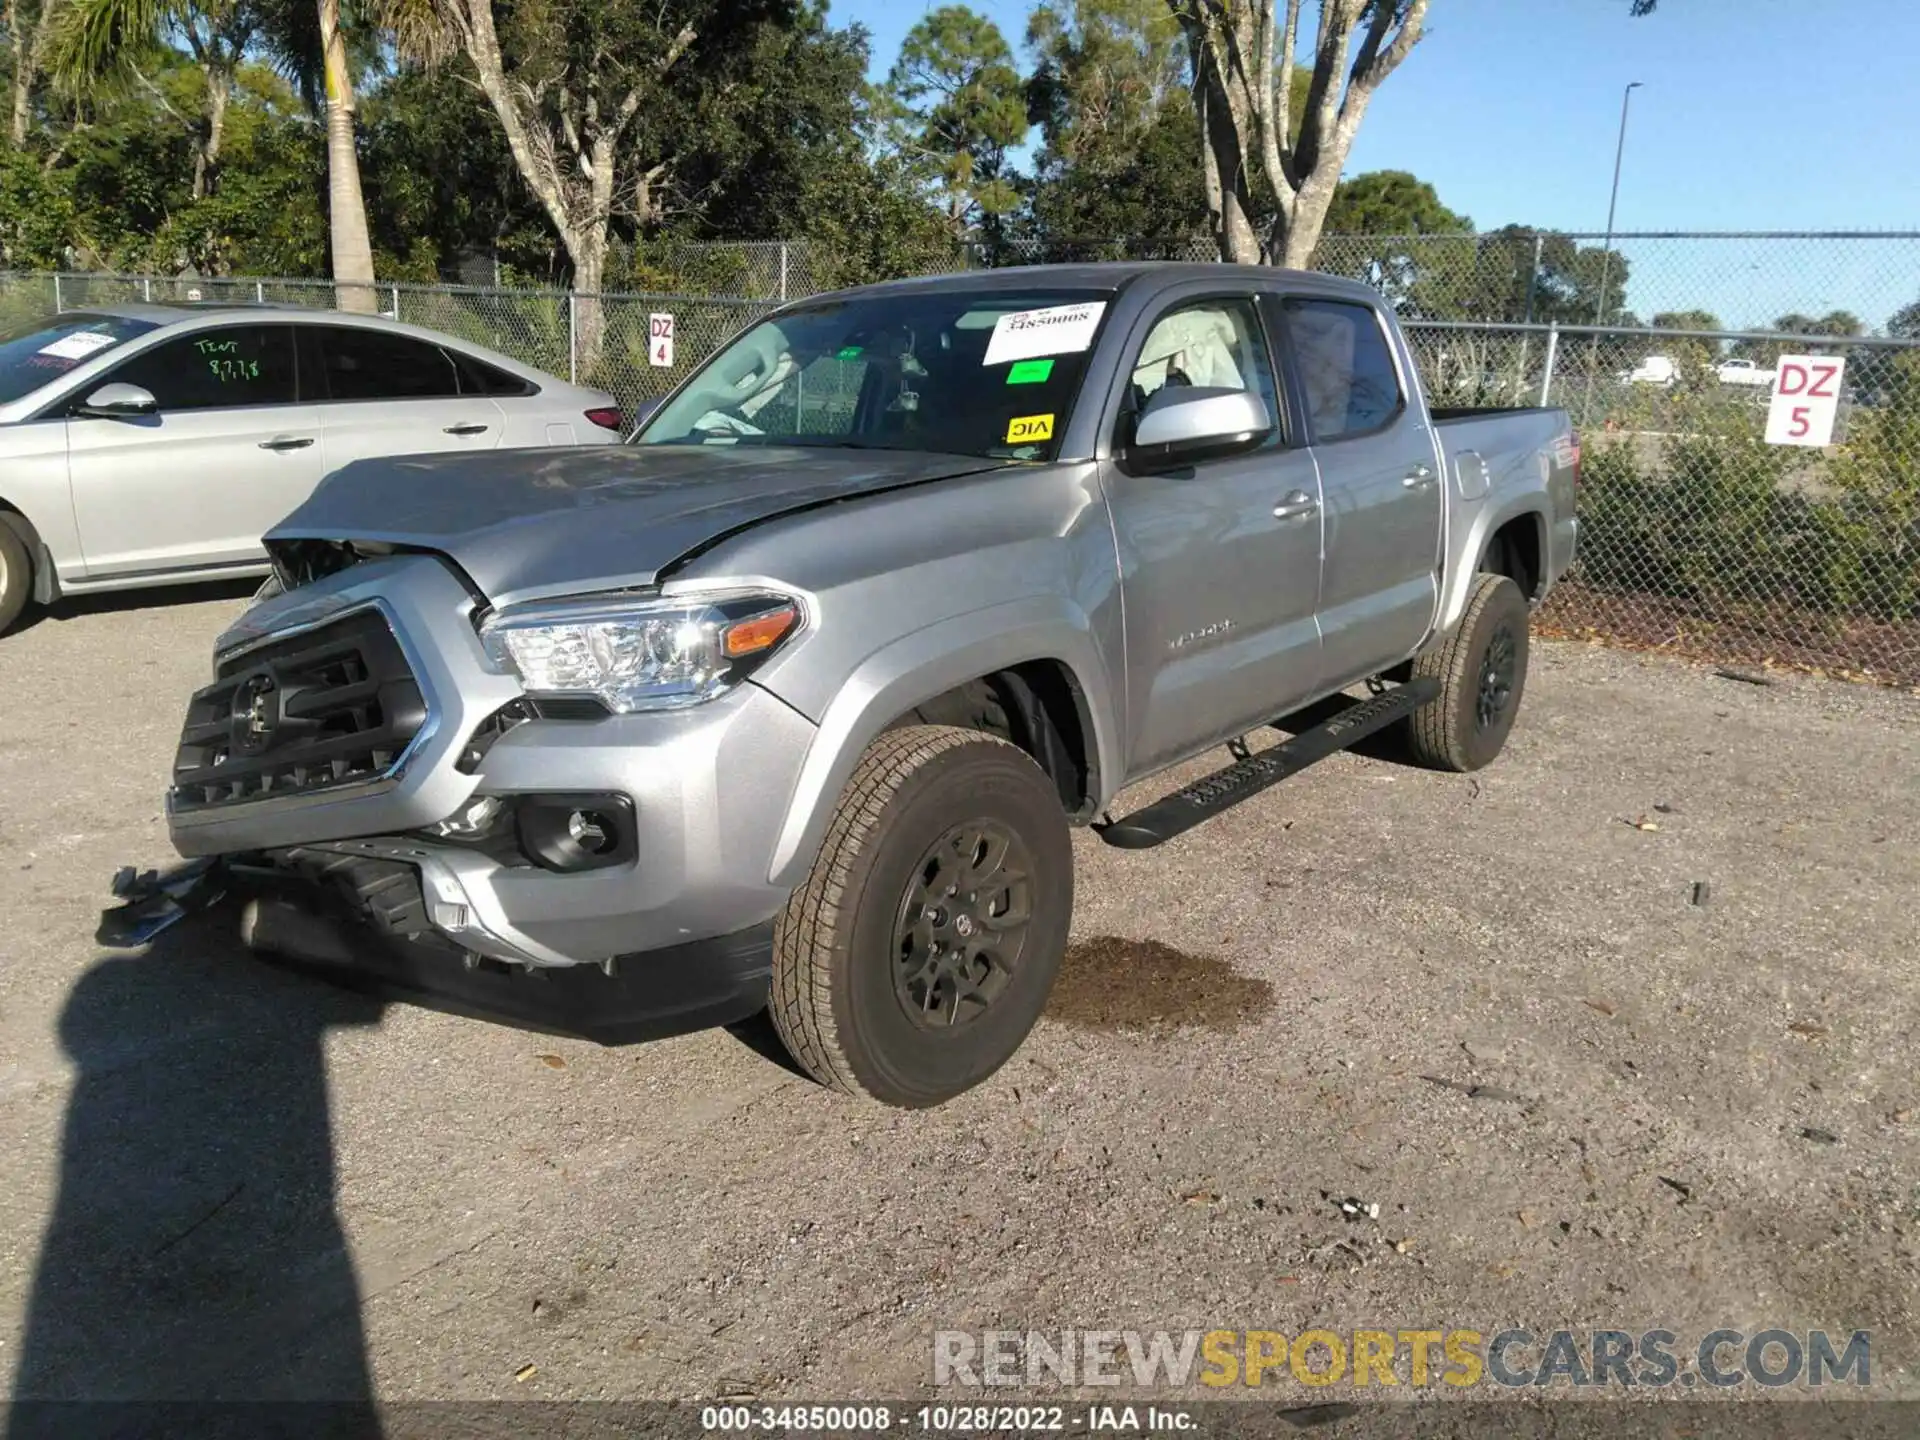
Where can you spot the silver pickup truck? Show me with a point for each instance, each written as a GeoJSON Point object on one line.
{"type": "Point", "coordinates": [790, 703]}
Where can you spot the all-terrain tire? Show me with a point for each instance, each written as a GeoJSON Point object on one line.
{"type": "Point", "coordinates": [16, 574]}
{"type": "Point", "coordinates": [928, 806]}
{"type": "Point", "coordinates": [1482, 670]}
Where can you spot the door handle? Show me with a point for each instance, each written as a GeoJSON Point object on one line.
{"type": "Point", "coordinates": [287, 442]}
{"type": "Point", "coordinates": [466, 427]}
{"type": "Point", "coordinates": [1296, 506]}
{"type": "Point", "coordinates": [1418, 478]}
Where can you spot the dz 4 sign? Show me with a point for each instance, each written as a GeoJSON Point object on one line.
{"type": "Point", "coordinates": [1806, 392]}
{"type": "Point", "coordinates": [660, 340]}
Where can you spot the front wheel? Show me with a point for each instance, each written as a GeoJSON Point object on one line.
{"type": "Point", "coordinates": [922, 947]}
{"type": "Point", "coordinates": [1482, 670]}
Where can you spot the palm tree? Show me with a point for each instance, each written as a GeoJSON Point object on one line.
{"type": "Point", "coordinates": [309, 44]}
{"type": "Point", "coordinates": [346, 206]}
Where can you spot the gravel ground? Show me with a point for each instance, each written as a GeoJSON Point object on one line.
{"type": "Point", "coordinates": [224, 1180]}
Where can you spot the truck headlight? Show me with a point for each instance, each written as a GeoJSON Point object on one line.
{"type": "Point", "coordinates": [639, 654]}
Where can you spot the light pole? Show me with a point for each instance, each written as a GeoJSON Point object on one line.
{"type": "Point", "coordinates": [1606, 251]}
{"type": "Point", "coordinates": [1613, 199]}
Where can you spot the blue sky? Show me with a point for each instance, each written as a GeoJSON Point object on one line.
{"type": "Point", "coordinates": [1753, 115]}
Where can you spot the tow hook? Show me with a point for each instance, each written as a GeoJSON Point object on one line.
{"type": "Point", "coordinates": [153, 903]}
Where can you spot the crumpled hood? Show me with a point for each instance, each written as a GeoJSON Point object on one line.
{"type": "Point", "coordinates": [591, 517]}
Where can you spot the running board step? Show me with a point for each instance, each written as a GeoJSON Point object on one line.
{"type": "Point", "coordinates": [1179, 812]}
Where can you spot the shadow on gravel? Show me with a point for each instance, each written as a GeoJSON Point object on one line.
{"type": "Point", "coordinates": [194, 1253]}
{"type": "Point", "coordinates": [1133, 986]}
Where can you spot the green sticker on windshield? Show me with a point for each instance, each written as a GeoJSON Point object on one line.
{"type": "Point", "coordinates": [848, 352]}
{"type": "Point", "coordinates": [1029, 372]}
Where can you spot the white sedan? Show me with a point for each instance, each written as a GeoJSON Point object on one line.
{"type": "Point", "coordinates": [153, 444]}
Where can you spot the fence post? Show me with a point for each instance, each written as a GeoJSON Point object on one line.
{"type": "Point", "coordinates": [1533, 280]}
{"type": "Point", "coordinates": [573, 340]}
{"type": "Point", "coordinates": [1553, 351]}
{"type": "Point", "coordinates": [783, 271]}
{"type": "Point", "coordinates": [394, 291]}
{"type": "Point", "coordinates": [146, 288]}
{"type": "Point", "coordinates": [57, 306]}
{"type": "Point", "coordinates": [259, 292]}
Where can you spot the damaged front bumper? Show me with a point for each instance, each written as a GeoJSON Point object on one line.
{"type": "Point", "coordinates": [359, 924]}
{"type": "Point", "coordinates": [359, 762]}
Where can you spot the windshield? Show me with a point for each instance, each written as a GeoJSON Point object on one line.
{"type": "Point", "coordinates": [45, 349]}
{"type": "Point", "coordinates": [961, 373]}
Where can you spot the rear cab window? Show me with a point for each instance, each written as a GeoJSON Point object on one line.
{"type": "Point", "coordinates": [1347, 374]}
{"type": "Point", "coordinates": [42, 350]}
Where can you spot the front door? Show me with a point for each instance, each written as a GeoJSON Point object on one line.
{"type": "Point", "coordinates": [1380, 583]}
{"type": "Point", "coordinates": [385, 393]}
{"type": "Point", "coordinates": [194, 486]}
{"type": "Point", "coordinates": [1220, 560]}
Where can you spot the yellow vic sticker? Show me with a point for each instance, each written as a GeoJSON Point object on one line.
{"type": "Point", "coordinates": [1026, 429]}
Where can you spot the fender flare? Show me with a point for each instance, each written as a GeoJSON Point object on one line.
{"type": "Point", "coordinates": [1459, 581]}
{"type": "Point", "coordinates": [915, 668]}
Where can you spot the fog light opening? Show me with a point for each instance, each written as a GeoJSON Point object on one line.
{"type": "Point", "coordinates": [576, 832]}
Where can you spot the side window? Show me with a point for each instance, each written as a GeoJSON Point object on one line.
{"type": "Point", "coordinates": [1346, 368]}
{"type": "Point", "coordinates": [216, 369]}
{"type": "Point", "coordinates": [373, 365]}
{"type": "Point", "coordinates": [1212, 343]}
{"type": "Point", "coordinates": [479, 378]}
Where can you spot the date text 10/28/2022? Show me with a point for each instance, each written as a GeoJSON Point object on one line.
{"type": "Point", "coordinates": [944, 1419]}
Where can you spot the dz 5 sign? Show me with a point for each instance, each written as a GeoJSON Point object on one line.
{"type": "Point", "coordinates": [1806, 392]}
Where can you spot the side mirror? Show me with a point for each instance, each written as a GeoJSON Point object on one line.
{"type": "Point", "coordinates": [118, 402]}
{"type": "Point", "coordinates": [1184, 423]}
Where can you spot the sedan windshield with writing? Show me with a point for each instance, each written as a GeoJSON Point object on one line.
{"type": "Point", "coordinates": [987, 374]}
{"type": "Point", "coordinates": [43, 350]}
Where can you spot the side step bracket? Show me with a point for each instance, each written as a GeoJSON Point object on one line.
{"type": "Point", "coordinates": [1179, 812]}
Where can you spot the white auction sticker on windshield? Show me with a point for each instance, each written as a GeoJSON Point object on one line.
{"type": "Point", "coordinates": [77, 346]}
{"type": "Point", "coordinates": [1057, 330]}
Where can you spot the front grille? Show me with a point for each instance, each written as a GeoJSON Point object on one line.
{"type": "Point", "coordinates": [332, 707]}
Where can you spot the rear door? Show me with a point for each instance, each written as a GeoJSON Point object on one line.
{"type": "Point", "coordinates": [1220, 559]}
{"type": "Point", "coordinates": [1379, 583]}
{"type": "Point", "coordinates": [383, 393]}
{"type": "Point", "coordinates": [229, 453]}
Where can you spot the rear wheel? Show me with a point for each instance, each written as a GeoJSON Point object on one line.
{"type": "Point", "coordinates": [16, 575]}
{"type": "Point", "coordinates": [1482, 670]}
{"type": "Point", "coordinates": [922, 947]}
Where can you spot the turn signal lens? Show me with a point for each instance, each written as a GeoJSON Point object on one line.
{"type": "Point", "coordinates": [762, 632]}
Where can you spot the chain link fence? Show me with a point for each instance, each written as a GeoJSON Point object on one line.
{"type": "Point", "coordinates": [1697, 536]}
